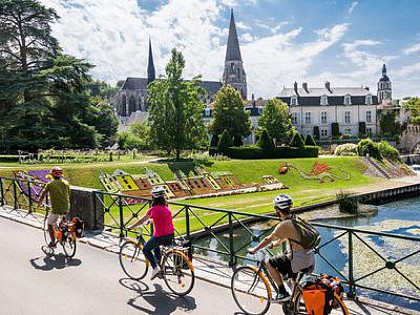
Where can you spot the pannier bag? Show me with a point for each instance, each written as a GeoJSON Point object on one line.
{"type": "Point", "coordinates": [318, 293]}
{"type": "Point", "coordinates": [185, 247]}
{"type": "Point", "coordinates": [77, 227]}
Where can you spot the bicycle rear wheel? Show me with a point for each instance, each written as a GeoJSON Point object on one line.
{"type": "Point", "coordinates": [132, 260]}
{"type": "Point", "coordinates": [251, 290]}
{"type": "Point", "coordinates": [178, 272]}
{"type": "Point", "coordinates": [69, 245]}
{"type": "Point", "coordinates": [339, 307]}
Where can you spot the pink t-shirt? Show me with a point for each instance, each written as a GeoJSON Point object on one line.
{"type": "Point", "coordinates": [162, 220]}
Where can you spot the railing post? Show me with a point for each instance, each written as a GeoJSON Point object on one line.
{"type": "Point", "coordinates": [121, 217]}
{"type": "Point", "coordinates": [30, 197]}
{"type": "Point", "coordinates": [95, 218]}
{"type": "Point", "coordinates": [352, 289]}
{"type": "Point", "coordinates": [232, 260]}
{"type": "Point", "coordinates": [2, 191]}
{"type": "Point", "coordinates": [15, 204]}
{"type": "Point", "coordinates": [187, 221]}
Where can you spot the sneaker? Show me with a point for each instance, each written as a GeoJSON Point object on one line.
{"type": "Point", "coordinates": [52, 245]}
{"type": "Point", "coordinates": [155, 273]}
{"type": "Point", "coordinates": [281, 298]}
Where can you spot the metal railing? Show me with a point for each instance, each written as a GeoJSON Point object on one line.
{"type": "Point", "coordinates": [117, 211]}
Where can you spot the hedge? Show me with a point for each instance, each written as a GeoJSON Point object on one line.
{"type": "Point", "coordinates": [253, 152]}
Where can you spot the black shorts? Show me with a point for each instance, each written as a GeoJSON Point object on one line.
{"type": "Point", "coordinates": [283, 265]}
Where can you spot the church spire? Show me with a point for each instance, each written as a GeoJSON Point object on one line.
{"type": "Point", "coordinates": [150, 65]}
{"type": "Point", "coordinates": [384, 70]}
{"type": "Point", "coordinates": [234, 73]}
{"type": "Point", "coordinates": [232, 51]}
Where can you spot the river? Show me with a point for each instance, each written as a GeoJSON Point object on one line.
{"type": "Point", "coordinates": [400, 217]}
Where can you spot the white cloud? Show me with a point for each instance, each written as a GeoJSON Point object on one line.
{"type": "Point", "coordinates": [412, 49]}
{"type": "Point", "coordinates": [353, 6]}
{"type": "Point", "coordinates": [113, 35]}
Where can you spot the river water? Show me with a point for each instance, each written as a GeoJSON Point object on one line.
{"type": "Point", "coordinates": [400, 217]}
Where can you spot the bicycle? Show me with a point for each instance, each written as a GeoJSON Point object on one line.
{"type": "Point", "coordinates": [65, 234]}
{"type": "Point", "coordinates": [177, 269]}
{"type": "Point", "coordinates": [252, 292]}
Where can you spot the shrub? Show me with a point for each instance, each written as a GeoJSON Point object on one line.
{"type": "Point", "coordinates": [265, 142]}
{"type": "Point", "coordinates": [214, 140]}
{"type": "Point", "coordinates": [347, 203]}
{"type": "Point", "coordinates": [297, 141]}
{"type": "Point", "coordinates": [335, 129]}
{"type": "Point", "coordinates": [367, 146]}
{"type": "Point", "coordinates": [254, 152]}
{"type": "Point", "coordinates": [309, 140]}
{"type": "Point", "coordinates": [316, 133]}
{"type": "Point", "coordinates": [347, 149]}
{"type": "Point", "coordinates": [388, 151]}
{"type": "Point", "coordinates": [225, 142]}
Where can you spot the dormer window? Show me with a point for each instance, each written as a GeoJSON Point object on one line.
{"type": "Point", "coordinates": [207, 112]}
{"type": "Point", "coordinates": [368, 99]}
{"type": "Point", "coordinates": [347, 100]}
{"type": "Point", "coordinates": [324, 100]}
{"type": "Point", "coordinates": [293, 101]}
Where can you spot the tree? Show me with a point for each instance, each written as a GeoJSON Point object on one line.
{"type": "Point", "coordinates": [265, 141]}
{"type": "Point", "coordinates": [296, 141]}
{"type": "Point", "coordinates": [388, 124]}
{"type": "Point", "coordinates": [214, 140]}
{"type": "Point", "coordinates": [275, 119]}
{"type": "Point", "coordinates": [225, 142]}
{"type": "Point", "coordinates": [229, 113]}
{"type": "Point", "coordinates": [335, 130]}
{"type": "Point", "coordinates": [309, 140]}
{"type": "Point", "coordinates": [367, 146]}
{"type": "Point", "coordinates": [175, 110]}
{"type": "Point", "coordinates": [414, 105]}
{"type": "Point", "coordinates": [316, 133]}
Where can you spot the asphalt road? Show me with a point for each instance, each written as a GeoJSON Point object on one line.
{"type": "Point", "coordinates": [90, 283]}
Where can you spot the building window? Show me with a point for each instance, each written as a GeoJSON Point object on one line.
{"type": "Point", "coordinates": [347, 100]}
{"type": "Point", "coordinates": [368, 116]}
{"type": "Point", "coordinates": [307, 118]}
{"type": "Point", "coordinates": [294, 118]}
{"type": "Point", "coordinates": [369, 131]}
{"type": "Point", "coordinates": [323, 117]}
{"type": "Point", "coordinates": [324, 100]}
{"type": "Point", "coordinates": [368, 99]}
{"type": "Point", "coordinates": [324, 133]}
{"type": "Point", "coordinates": [293, 101]}
{"type": "Point", "coordinates": [347, 119]}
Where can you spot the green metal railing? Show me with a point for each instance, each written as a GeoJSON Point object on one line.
{"type": "Point", "coordinates": [116, 211]}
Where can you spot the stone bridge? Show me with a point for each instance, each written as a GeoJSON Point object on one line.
{"type": "Point", "coordinates": [410, 139]}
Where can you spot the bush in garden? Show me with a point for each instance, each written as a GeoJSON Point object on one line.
{"type": "Point", "coordinates": [309, 140]}
{"type": "Point", "coordinates": [265, 142]}
{"type": "Point", "coordinates": [347, 149]}
{"type": "Point", "coordinates": [388, 151]}
{"type": "Point", "coordinates": [297, 141]}
{"type": "Point", "coordinates": [225, 142]}
{"type": "Point", "coordinates": [367, 146]}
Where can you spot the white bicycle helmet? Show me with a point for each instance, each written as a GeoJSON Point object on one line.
{"type": "Point", "coordinates": [158, 191]}
{"type": "Point", "coordinates": [283, 202]}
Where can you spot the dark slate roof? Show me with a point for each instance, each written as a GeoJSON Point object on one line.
{"type": "Point", "coordinates": [232, 51]}
{"type": "Point", "coordinates": [333, 91]}
{"type": "Point", "coordinates": [135, 84]}
{"type": "Point", "coordinates": [212, 87]}
{"type": "Point", "coordinates": [332, 100]}
{"type": "Point", "coordinates": [384, 78]}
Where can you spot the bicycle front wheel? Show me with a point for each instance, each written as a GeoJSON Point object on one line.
{"type": "Point", "coordinates": [178, 272]}
{"type": "Point", "coordinates": [339, 308]}
{"type": "Point", "coordinates": [69, 245]}
{"type": "Point", "coordinates": [251, 290]}
{"type": "Point", "coordinates": [132, 260]}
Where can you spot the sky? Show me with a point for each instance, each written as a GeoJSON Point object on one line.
{"type": "Point", "coordinates": [282, 41]}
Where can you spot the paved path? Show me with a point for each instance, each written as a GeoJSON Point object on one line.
{"type": "Point", "coordinates": [93, 283]}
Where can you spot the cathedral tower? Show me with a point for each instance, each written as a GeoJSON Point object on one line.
{"type": "Point", "coordinates": [384, 87]}
{"type": "Point", "coordinates": [234, 73]}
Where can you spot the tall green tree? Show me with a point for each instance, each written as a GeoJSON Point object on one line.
{"type": "Point", "coordinates": [389, 125]}
{"type": "Point", "coordinates": [175, 110]}
{"type": "Point", "coordinates": [414, 105]}
{"type": "Point", "coordinates": [229, 113]}
{"type": "Point", "coordinates": [276, 120]}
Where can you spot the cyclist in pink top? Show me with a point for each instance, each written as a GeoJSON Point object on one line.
{"type": "Point", "coordinates": [163, 233]}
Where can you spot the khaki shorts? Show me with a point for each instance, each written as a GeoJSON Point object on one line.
{"type": "Point", "coordinates": [53, 218]}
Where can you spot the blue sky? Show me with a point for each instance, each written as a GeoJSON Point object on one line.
{"type": "Point", "coordinates": [282, 41]}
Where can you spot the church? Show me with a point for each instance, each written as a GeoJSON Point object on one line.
{"type": "Point", "coordinates": [131, 100]}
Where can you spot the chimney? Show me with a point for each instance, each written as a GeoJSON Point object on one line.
{"type": "Point", "coordinates": [328, 86]}
{"type": "Point", "coordinates": [295, 87]}
{"type": "Point", "coordinates": [305, 86]}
